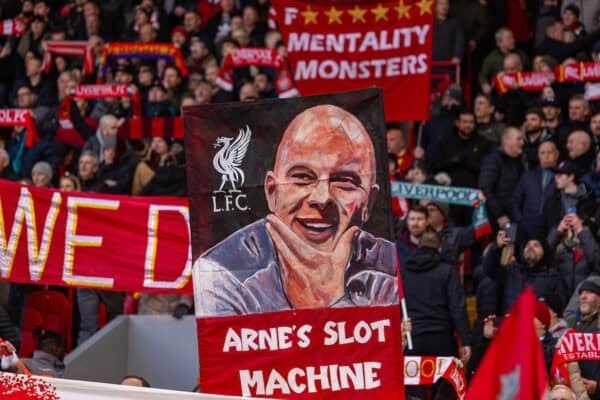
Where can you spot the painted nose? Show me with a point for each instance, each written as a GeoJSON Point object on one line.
{"type": "Point", "coordinates": [320, 195]}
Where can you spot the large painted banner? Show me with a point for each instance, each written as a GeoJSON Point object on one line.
{"type": "Point", "coordinates": [343, 45]}
{"type": "Point", "coordinates": [124, 243]}
{"type": "Point", "coordinates": [23, 387]}
{"type": "Point", "coordinates": [295, 278]}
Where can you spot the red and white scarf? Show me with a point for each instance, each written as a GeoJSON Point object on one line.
{"type": "Point", "coordinates": [261, 57]}
{"type": "Point", "coordinates": [97, 92]}
{"type": "Point", "coordinates": [422, 370]}
{"type": "Point", "coordinates": [574, 346]}
{"type": "Point", "coordinates": [579, 72]}
{"type": "Point", "coordinates": [69, 48]}
{"type": "Point", "coordinates": [528, 81]}
{"type": "Point", "coordinates": [13, 27]}
{"type": "Point", "coordinates": [20, 117]}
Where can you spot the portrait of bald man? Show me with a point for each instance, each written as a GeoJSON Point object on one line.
{"type": "Point", "coordinates": [310, 250]}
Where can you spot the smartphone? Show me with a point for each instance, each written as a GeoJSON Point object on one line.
{"type": "Point", "coordinates": [511, 232]}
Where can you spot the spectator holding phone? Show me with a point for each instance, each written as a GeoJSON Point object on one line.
{"type": "Point", "coordinates": [569, 197]}
{"type": "Point", "coordinates": [529, 268]}
{"type": "Point", "coordinates": [577, 253]}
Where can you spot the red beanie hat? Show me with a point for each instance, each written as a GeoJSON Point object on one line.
{"type": "Point", "coordinates": [179, 29]}
{"type": "Point", "coordinates": [542, 313]}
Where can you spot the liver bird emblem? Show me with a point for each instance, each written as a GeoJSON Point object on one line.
{"type": "Point", "coordinates": [229, 158]}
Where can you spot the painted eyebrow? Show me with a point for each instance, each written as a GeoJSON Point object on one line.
{"type": "Point", "coordinates": [301, 169]}
{"type": "Point", "coordinates": [352, 176]}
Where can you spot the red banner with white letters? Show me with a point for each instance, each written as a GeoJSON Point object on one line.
{"type": "Point", "coordinates": [123, 243]}
{"type": "Point", "coordinates": [527, 81]}
{"type": "Point", "coordinates": [336, 46]}
{"type": "Point", "coordinates": [578, 72]}
{"type": "Point", "coordinates": [574, 346]}
{"type": "Point", "coordinates": [344, 353]}
{"type": "Point", "coordinates": [426, 370]}
{"type": "Point", "coordinates": [20, 117]}
{"type": "Point", "coordinates": [296, 279]}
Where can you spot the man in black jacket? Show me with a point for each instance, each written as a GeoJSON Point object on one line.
{"type": "Point", "coordinates": [500, 173]}
{"type": "Point", "coordinates": [436, 304]}
{"type": "Point", "coordinates": [534, 187]}
{"type": "Point", "coordinates": [533, 269]}
{"type": "Point", "coordinates": [569, 197]}
{"type": "Point", "coordinates": [554, 45]}
{"type": "Point", "coordinates": [459, 154]}
{"type": "Point", "coordinates": [579, 110]}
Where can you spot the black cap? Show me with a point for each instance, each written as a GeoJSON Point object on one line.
{"type": "Point", "coordinates": [566, 167]}
{"type": "Point", "coordinates": [590, 286]}
{"type": "Point", "coordinates": [553, 302]}
{"type": "Point", "coordinates": [127, 68]}
{"type": "Point", "coordinates": [550, 102]}
{"type": "Point", "coordinates": [573, 8]}
{"type": "Point", "coordinates": [38, 18]}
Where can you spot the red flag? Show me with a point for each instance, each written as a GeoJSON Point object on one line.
{"type": "Point", "coordinates": [513, 367]}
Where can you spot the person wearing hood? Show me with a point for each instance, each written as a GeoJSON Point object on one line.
{"type": "Point", "coordinates": [558, 326]}
{"type": "Point", "coordinates": [585, 319]}
{"type": "Point", "coordinates": [435, 303]}
{"type": "Point", "coordinates": [569, 197]}
{"type": "Point", "coordinates": [532, 270]}
{"type": "Point", "coordinates": [108, 127]}
{"type": "Point", "coordinates": [48, 357]}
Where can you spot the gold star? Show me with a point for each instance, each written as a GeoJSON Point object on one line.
{"type": "Point", "coordinates": [380, 12]}
{"type": "Point", "coordinates": [425, 7]}
{"type": "Point", "coordinates": [403, 10]}
{"type": "Point", "coordinates": [334, 15]}
{"type": "Point", "coordinates": [358, 14]}
{"type": "Point", "coordinates": [310, 16]}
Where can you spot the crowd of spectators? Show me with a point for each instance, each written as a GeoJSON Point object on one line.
{"type": "Point", "coordinates": [533, 155]}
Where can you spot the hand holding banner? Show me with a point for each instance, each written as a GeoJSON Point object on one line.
{"type": "Point", "coordinates": [20, 117]}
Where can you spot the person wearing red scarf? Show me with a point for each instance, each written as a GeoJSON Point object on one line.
{"type": "Point", "coordinates": [570, 20]}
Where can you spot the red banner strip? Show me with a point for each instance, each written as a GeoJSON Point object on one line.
{"type": "Point", "coordinates": [336, 46]}
{"type": "Point", "coordinates": [70, 48]}
{"type": "Point", "coordinates": [153, 51]}
{"type": "Point", "coordinates": [20, 117]}
{"type": "Point", "coordinates": [12, 27]}
{"type": "Point", "coordinates": [580, 72]}
{"type": "Point", "coordinates": [575, 346]}
{"type": "Point", "coordinates": [333, 353]}
{"type": "Point", "coordinates": [528, 81]}
{"type": "Point", "coordinates": [123, 243]}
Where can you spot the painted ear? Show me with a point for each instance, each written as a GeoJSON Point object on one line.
{"type": "Point", "coordinates": [270, 186]}
{"type": "Point", "coordinates": [366, 214]}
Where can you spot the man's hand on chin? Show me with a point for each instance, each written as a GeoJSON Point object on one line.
{"type": "Point", "coordinates": [311, 278]}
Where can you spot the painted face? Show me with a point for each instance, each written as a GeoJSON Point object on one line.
{"type": "Point", "coordinates": [324, 176]}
